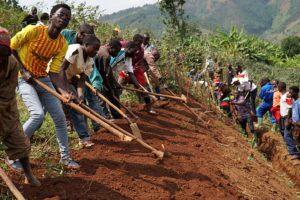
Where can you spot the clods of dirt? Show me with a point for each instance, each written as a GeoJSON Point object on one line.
{"type": "Point", "coordinates": [201, 163]}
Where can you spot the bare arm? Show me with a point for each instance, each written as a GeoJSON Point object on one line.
{"type": "Point", "coordinates": [61, 83]}
{"type": "Point", "coordinates": [80, 87]}
{"type": "Point", "coordinates": [25, 74]}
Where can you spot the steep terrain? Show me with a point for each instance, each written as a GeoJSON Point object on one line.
{"type": "Point", "coordinates": [267, 18]}
{"type": "Point", "coordinates": [201, 163]}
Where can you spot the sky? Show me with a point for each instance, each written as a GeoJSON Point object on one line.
{"type": "Point", "coordinates": [108, 6]}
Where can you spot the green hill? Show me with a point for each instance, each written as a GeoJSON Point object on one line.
{"type": "Point", "coordinates": [268, 18]}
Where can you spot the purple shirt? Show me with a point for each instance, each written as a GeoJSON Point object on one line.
{"type": "Point", "coordinates": [243, 108]}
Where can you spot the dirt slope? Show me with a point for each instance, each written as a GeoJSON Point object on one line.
{"type": "Point", "coordinates": [202, 163]}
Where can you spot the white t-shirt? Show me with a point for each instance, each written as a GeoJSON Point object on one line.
{"type": "Point", "coordinates": [246, 86]}
{"type": "Point", "coordinates": [74, 56]}
{"type": "Point", "coordinates": [284, 106]}
{"type": "Point", "coordinates": [243, 76]}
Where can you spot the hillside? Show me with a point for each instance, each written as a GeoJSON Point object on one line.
{"type": "Point", "coordinates": [267, 18]}
{"type": "Point", "coordinates": [200, 163]}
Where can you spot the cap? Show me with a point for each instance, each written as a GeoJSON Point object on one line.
{"type": "Point", "coordinates": [117, 30]}
{"type": "Point", "coordinates": [4, 37]}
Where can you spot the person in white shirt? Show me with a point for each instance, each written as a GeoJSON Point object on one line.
{"type": "Point", "coordinates": [242, 74]}
{"type": "Point", "coordinates": [285, 105]}
{"type": "Point", "coordinates": [79, 61]}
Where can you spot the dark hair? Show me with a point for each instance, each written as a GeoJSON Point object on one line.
{"type": "Point", "coordinates": [146, 35]}
{"type": "Point", "coordinates": [90, 39]}
{"type": "Point", "coordinates": [131, 48]}
{"type": "Point", "coordinates": [114, 43]}
{"type": "Point", "coordinates": [86, 28]}
{"type": "Point", "coordinates": [276, 81]}
{"type": "Point", "coordinates": [282, 85]}
{"type": "Point", "coordinates": [44, 16]}
{"type": "Point", "coordinates": [295, 89]}
{"type": "Point", "coordinates": [137, 37]}
{"type": "Point", "coordinates": [58, 6]}
{"type": "Point", "coordinates": [265, 80]}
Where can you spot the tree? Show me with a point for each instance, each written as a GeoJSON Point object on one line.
{"type": "Point", "coordinates": [11, 15]}
{"type": "Point", "coordinates": [175, 20]}
{"type": "Point", "coordinates": [291, 46]}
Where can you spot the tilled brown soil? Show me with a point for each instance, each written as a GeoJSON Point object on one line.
{"type": "Point", "coordinates": [274, 147]}
{"type": "Point", "coordinates": [201, 163]}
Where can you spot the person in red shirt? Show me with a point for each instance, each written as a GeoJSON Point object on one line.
{"type": "Point", "coordinates": [139, 65]}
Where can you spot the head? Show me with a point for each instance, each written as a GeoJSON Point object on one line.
{"type": "Point", "coordinates": [275, 82]}
{"type": "Point", "coordinates": [229, 66]}
{"type": "Point", "coordinates": [114, 47]}
{"type": "Point", "coordinates": [156, 54]}
{"type": "Point", "coordinates": [84, 29]}
{"type": "Point", "coordinates": [239, 68]}
{"type": "Point", "coordinates": [131, 49]}
{"type": "Point", "coordinates": [146, 40]}
{"type": "Point", "coordinates": [116, 32]}
{"type": "Point", "coordinates": [45, 18]}
{"type": "Point", "coordinates": [5, 50]}
{"type": "Point", "coordinates": [138, 39]}
{"type": "Point", "coordinates": [236, 93]}
{"type": "Point", "coordinates": [33, 11]}
{"type": "Point", "coordinates": [264, 81]}
{"type": "Point", "coordinates": [60, 16]}
{"type": "Point", "coordinates": [294, 92]}
{"type": "Point", "coordinates": [91, 45]}
{"type": "Point", "coordinates": [281, 86]}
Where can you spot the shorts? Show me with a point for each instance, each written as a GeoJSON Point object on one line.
{"type": "Point", "coordinates": [139, 74]}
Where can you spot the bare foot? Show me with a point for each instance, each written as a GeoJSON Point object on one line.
{"type": "Point", "coordinates": [32, 181]}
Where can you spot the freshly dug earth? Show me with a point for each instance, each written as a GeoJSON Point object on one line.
{"type": "Point", "coordinates": [274, 147]}
{"type": "Point", "coordinates": [201, 163]}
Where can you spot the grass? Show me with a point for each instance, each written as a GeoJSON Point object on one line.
{"type": "Point", "coordinates": [6, 195]}
{"type": "Point", "coordinates": [44, 144]}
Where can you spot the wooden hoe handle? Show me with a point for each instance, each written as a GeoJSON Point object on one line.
{"type": "Point", "coordinates": [111, 129]}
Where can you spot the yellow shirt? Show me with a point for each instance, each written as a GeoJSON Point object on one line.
{"type": "Point", "coordinates": [36, 49]}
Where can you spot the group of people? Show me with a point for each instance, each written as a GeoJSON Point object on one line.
{"type": "Point", "coordinates": [237, 95]}
{"type": "Point", "coordinates": [65, 60]}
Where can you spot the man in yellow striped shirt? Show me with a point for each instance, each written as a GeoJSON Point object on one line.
{"type": "Point", "coordinates": [35, 47]}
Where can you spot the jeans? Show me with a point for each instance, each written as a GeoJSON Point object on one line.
{"type": "Point", "coordinates": [263, 109]}
{"type": "Point", "coordinates": [282, 125]}
{"type": "Point", "coordinates": [78, 120]}
{"type": "Point", "coordinates": [38, 101]}
{"type": "Point", "coordinates": [247, 120]}
{"type": "Point", "coordinates": [95, 103]}
{"type": "Point", "coordinates": [290, 142]}
{"type": "Point", "coordinates": [79, 124]}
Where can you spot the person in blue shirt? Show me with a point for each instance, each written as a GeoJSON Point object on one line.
{"type": "Point", "coordinates": [266, 94]}
{"type": "Point", "coordinates": [293, 123]}
{"type": "Point", "coordinates": [74, 37]}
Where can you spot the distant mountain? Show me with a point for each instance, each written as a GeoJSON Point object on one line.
{"type": "Point", "coordinates": [268, 18]}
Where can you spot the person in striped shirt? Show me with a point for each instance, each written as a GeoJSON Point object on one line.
{"type": "Point", "coordinates": [36, 47]}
